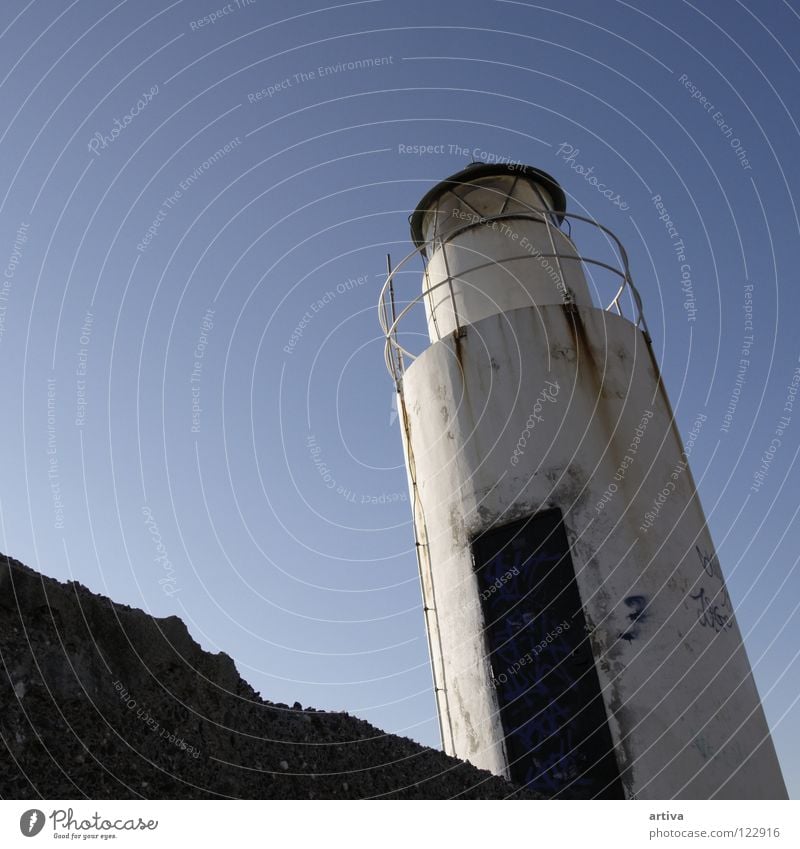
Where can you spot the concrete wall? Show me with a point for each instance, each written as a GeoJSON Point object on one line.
{"type": "Point", "coordinates": [683, 709]}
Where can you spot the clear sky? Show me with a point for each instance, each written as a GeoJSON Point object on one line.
{"type": "Point", "coordinates": [196, 202]}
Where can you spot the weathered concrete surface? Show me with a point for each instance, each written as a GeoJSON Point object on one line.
{"type": "Point", "coordinates": [100, 700]}
{"type": "Point", "coordinates": [683, 709]}
{"type": "Point", "coordinates": [497, 267]}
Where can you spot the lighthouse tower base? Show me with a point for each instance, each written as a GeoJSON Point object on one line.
{"type": "Point", "coordinates": [582, 638]}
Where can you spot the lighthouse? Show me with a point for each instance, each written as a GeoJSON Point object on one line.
{"type": "Point", "coordinates": [582, 640]}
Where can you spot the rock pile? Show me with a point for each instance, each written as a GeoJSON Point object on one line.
{"type": "Point", "coordinates": [100, 700]}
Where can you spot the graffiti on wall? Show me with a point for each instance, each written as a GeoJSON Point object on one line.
{"type": "Point", "coordinates": [637, 613]}
{"type": "Point", "coordinates": [714, 609]}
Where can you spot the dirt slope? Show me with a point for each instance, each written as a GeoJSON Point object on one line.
{"type": "Point", "coordinates": [100, 700]}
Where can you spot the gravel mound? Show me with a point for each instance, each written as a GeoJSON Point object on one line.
{"type": "Point", "coordinates": [99, 700]}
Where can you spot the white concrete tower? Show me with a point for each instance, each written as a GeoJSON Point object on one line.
{"type": "Point", "coordinates": [582, 639]}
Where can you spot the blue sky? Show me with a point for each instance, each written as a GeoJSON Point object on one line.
{"type": "Point", "coordinates": [172, 187]}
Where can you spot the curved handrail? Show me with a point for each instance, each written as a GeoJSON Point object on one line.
{"type": "Point", "coordinates": [394, 351]}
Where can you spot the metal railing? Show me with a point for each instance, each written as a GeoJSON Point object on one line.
{"type": "Point", "coordinates": [395, 354]}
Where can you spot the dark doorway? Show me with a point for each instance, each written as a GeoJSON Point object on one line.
{"type": "Point", "coordinates": [553, 716]}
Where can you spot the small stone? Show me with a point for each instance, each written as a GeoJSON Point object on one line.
{"type": "Point", "coordinates": [19, 689]}
{"type": "Point", "coordinates": [345, 786]}
{"type": "Point", "coordinates": [283, 765]}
